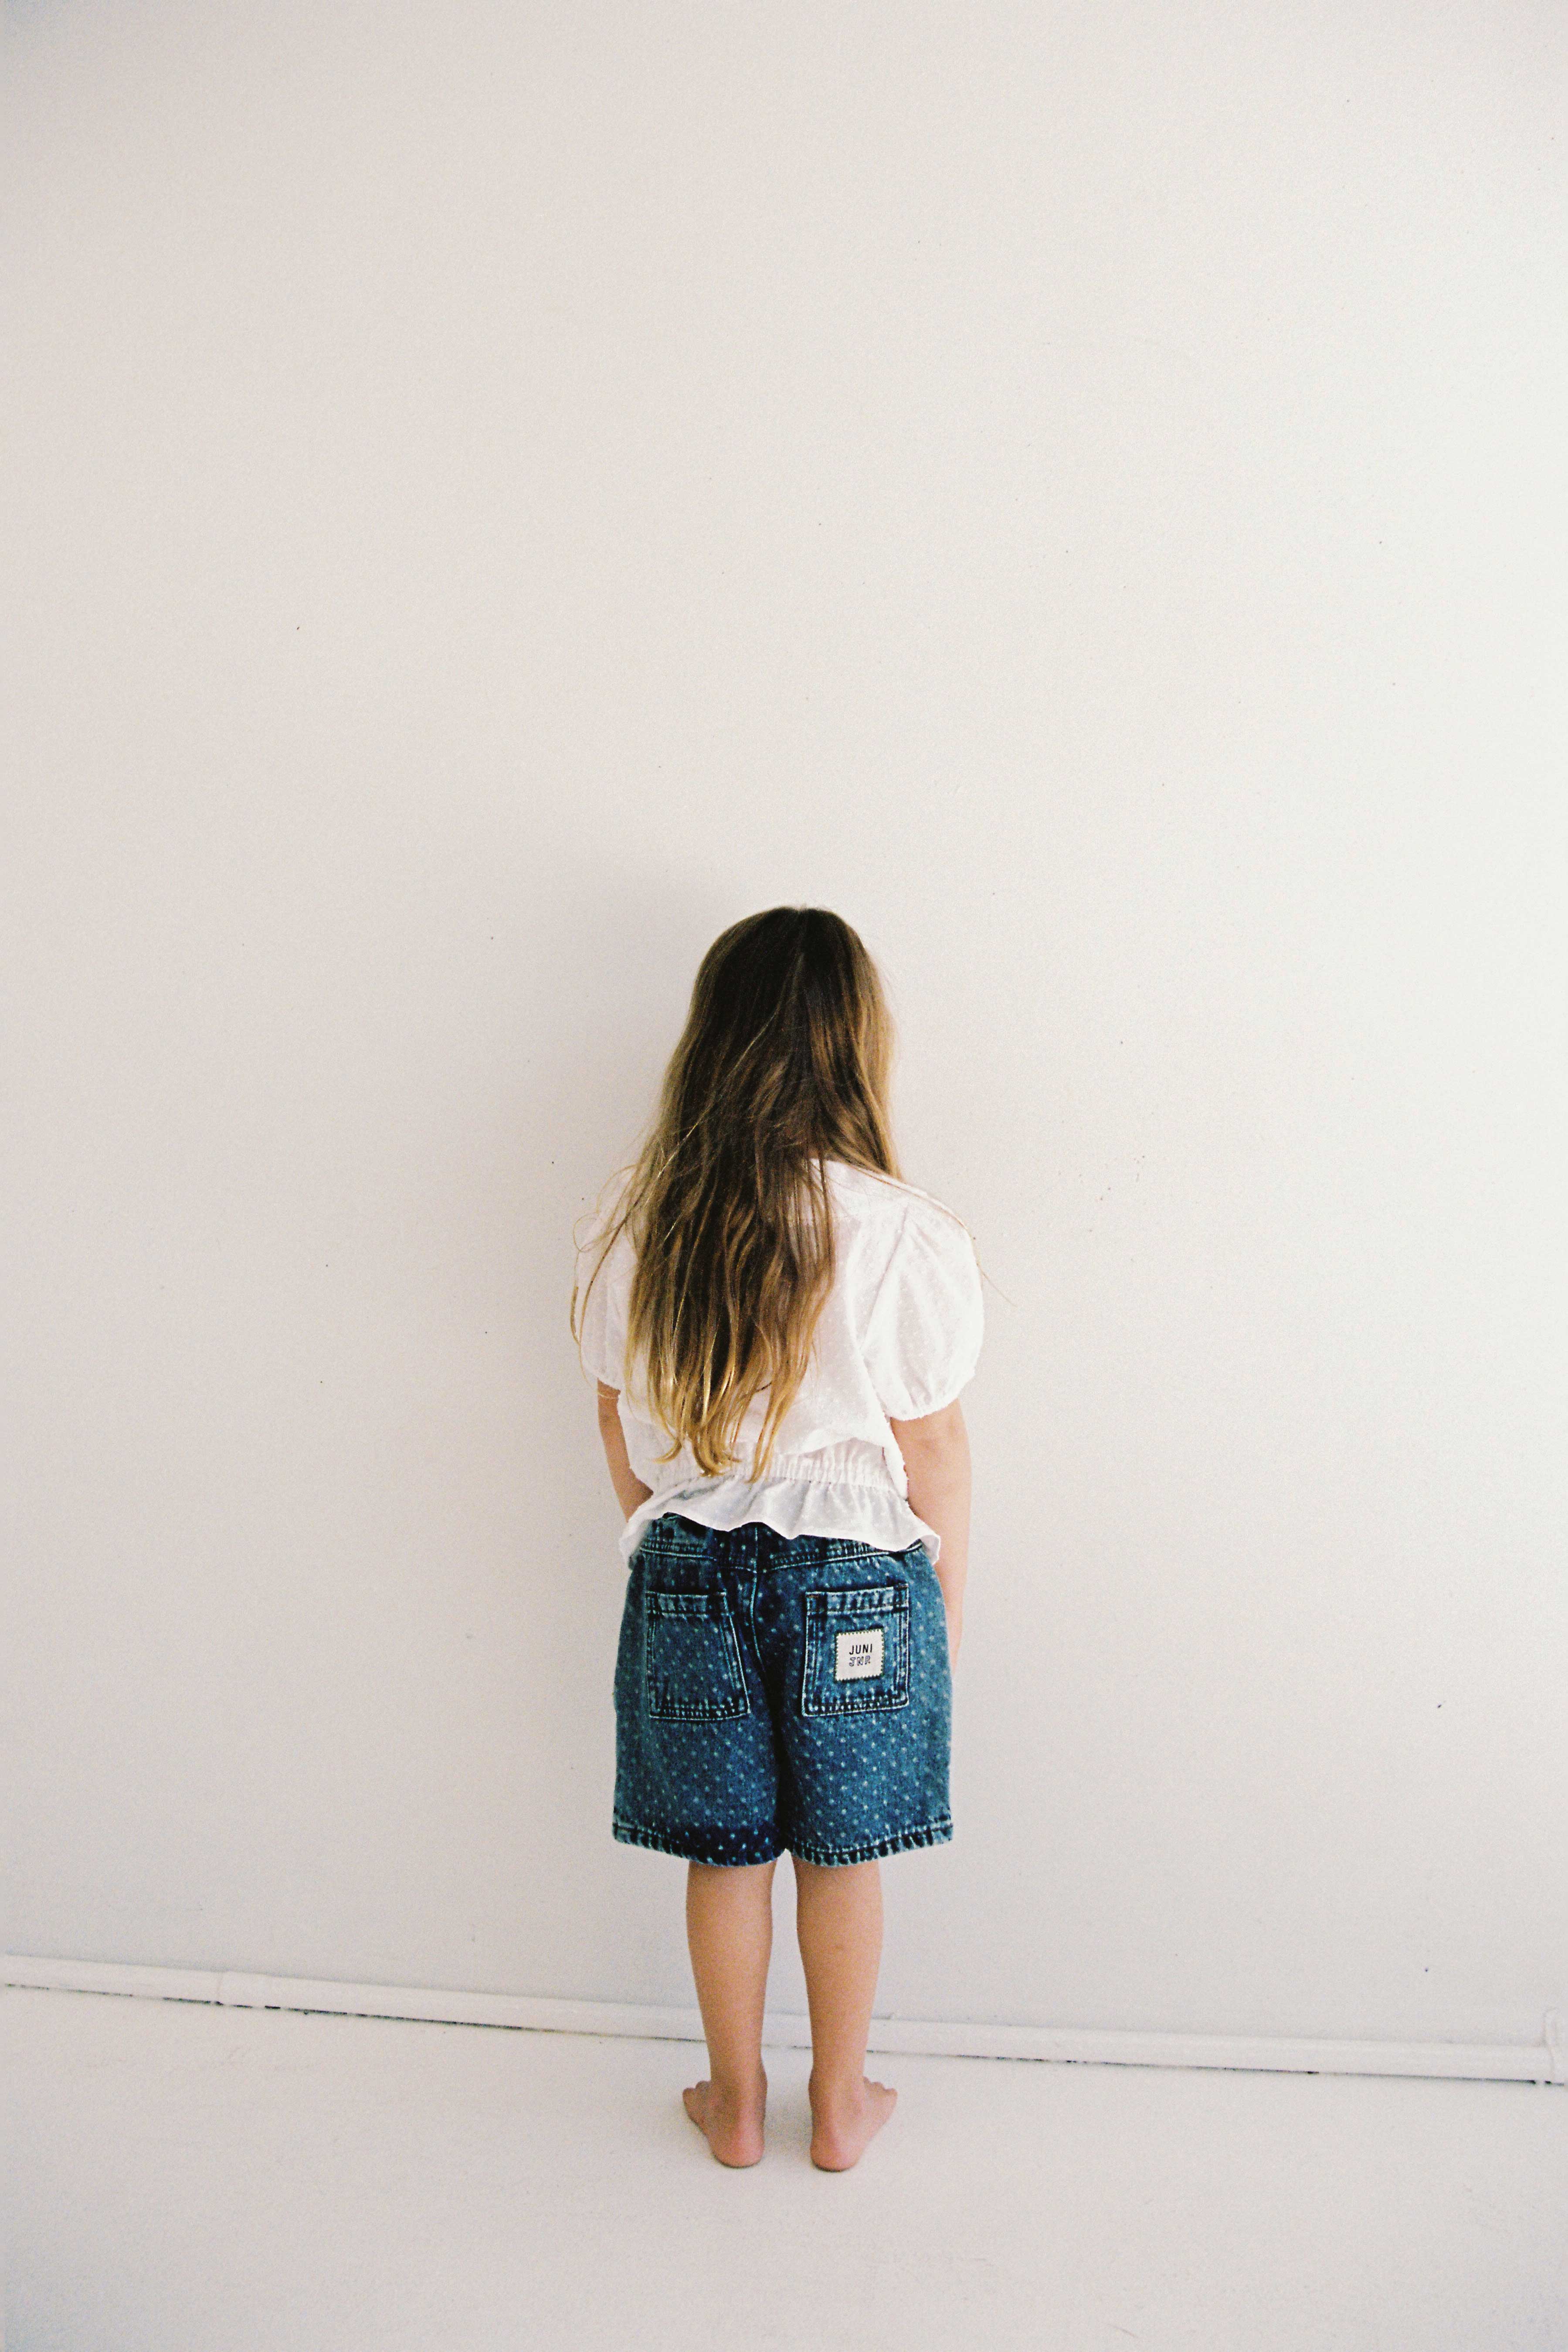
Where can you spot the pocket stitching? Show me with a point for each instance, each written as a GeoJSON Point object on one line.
{"type": "Point", "coordinates": [695, 1608]}
{"type": "Point", "coordinates": [889, 1602]}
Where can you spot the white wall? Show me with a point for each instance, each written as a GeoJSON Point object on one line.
{"type": "Point", "coordinates": [504, 491]}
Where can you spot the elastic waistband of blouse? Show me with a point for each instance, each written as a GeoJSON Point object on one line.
{"type": "Point", "coordinates": [753, 1542]}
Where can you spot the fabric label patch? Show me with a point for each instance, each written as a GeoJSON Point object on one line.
{"type": "Point", "coordinates": [856, 1654]}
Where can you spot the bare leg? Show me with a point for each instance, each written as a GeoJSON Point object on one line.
{"type": "Point", "coordinates": [838, 1916]}
{"type": "Point", "coordinates": [730, 1928]}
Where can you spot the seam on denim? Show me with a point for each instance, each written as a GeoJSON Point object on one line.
{"type": "Point", "coordinates": [883, 1703]}
{"type": "Point", "coordinates": [932, 1833]}
{"type": "Point", "coordinates": [868, 1598]}
{"type": "Point", "coordinates": [630, 1835]}
{"type": "Point", "coordinates": [697, 1714]}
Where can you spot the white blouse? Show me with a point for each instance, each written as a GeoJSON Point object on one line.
{"type": "Point", "coordinates": [899, 1336]}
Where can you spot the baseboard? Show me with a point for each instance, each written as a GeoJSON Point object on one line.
{"type": "Point", "coordinates": [1543, 2061]}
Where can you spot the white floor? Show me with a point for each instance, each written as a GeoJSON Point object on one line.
{"type": "Point", "coordinates": [192, 2178]}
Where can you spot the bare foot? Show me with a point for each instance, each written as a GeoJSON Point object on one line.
{"type": "Point", "coordinates": [842, 2126]}
{"type": "Point", "coordinates": [733, 2125]}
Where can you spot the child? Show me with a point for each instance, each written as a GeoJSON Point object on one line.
{"type": "Point", "coordinates": [766, 1281]}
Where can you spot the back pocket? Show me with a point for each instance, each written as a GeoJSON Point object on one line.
{"type": "Point", "coordinates": [856, 1650]}
{"type": "Point", "coordinates": [691, 1657]}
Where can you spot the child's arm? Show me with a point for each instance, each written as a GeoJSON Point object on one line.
{"type": "Point", "coordinates": [629, 1488]}
{"type": "Point", "coordinates": [936, 1457]}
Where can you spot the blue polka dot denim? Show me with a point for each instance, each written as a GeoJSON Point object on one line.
{"type": "Point", "coordinates": [774, 1692]}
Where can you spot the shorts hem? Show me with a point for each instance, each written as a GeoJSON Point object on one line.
{"type": "Point", "coordinates": [662, 1842]}
{"type": "Point", "coordinates": [931, 1833]}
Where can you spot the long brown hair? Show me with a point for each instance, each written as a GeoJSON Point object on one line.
{"type": "Point", "coordinates": [784, 1063]}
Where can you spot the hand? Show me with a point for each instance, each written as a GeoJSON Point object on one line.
{"type": "Point", "coordinates": [954, 1634]}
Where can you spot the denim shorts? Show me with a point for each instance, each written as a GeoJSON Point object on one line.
{"type": "Point", "coordinates": [774, 1692]}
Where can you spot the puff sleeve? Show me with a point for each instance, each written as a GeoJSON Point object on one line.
{"type": "Point", "coordinates": [923, 1334]}
{"type": "Point", "coordinates": [604, 1311]}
